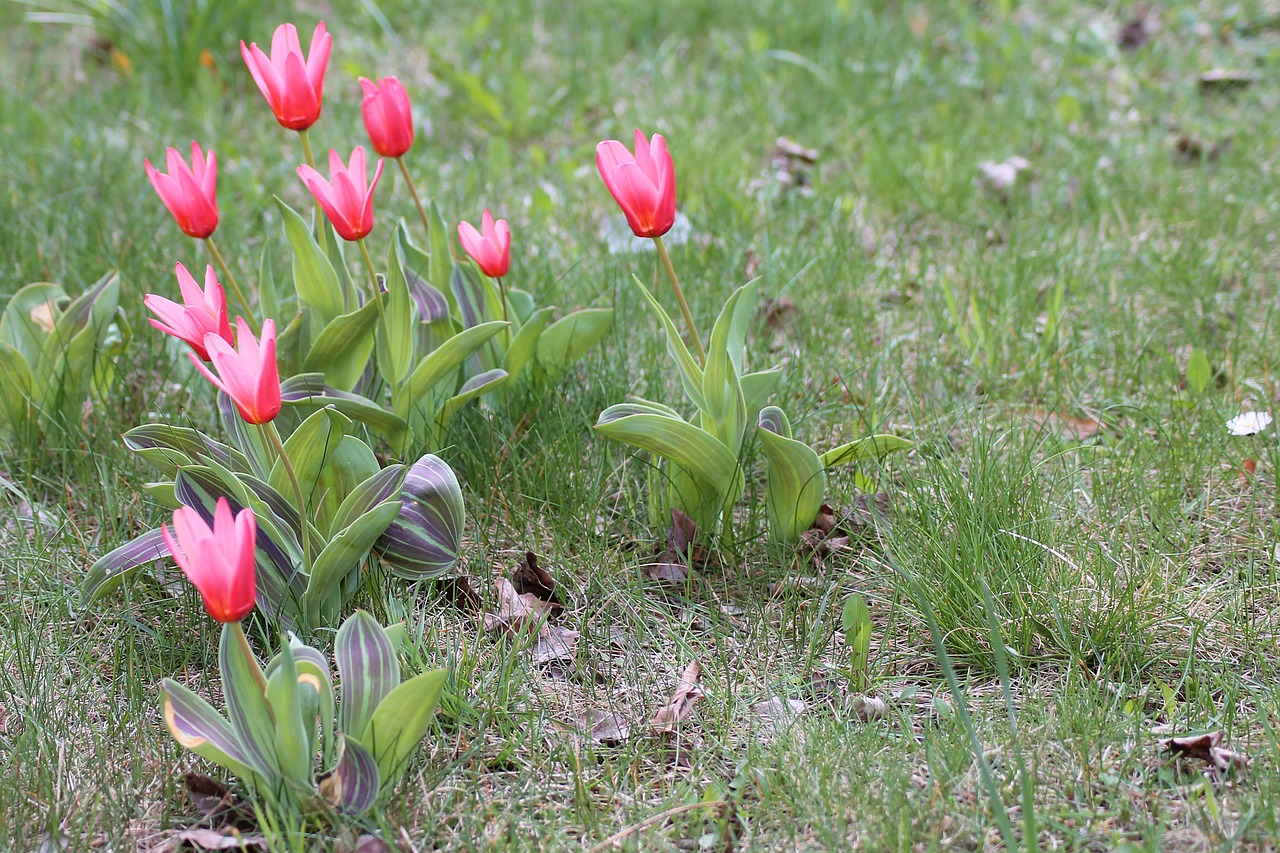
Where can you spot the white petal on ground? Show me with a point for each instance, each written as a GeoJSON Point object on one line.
{"type": "Point", "coordinates": [1249, 423]}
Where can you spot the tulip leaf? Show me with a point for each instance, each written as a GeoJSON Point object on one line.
{"type": "Point", "coordinates": [871, 447]}
{"type": "Point", "coordinates": [424, 539]}
{"type": "Point", "coordinates": [690, 372]}
{"type": "Point", "coordinates": [309, 389]}
{"type": "Point", "coordinates": [314, 277]}
{"type": "Point", "coordinates": [163, 494]}
{"type": "Point", "coordinates": [353, 784]}
{"type": "Point", "coordinates": [474, 387]}
{"type": "Point", "coordinates": [478, 302]}
{"type": "Point", "coordinates": [416, 396]}
{"type": "Point", "coordinates": [16, 383]}
{"type": "Point", "coordinates": [66, 370]}
{"type": "Point", "coordinates": [310, 448]}
{"type": "Point", "coordinates": [292, 741]}
{"type": "Point", "coordinates": [757, 388]}
{"type": "Point", "coordinates": [441, 260]}
{"type": "Point", "coordinates": [721, 390]}
{"type": "Point", "coordinates": [400, 722]}
{"type": "Point", "coordinates": [107, 572]}
{"type": "Point", "coordinates": [167, 447]}
{"type": "Point", "coordinates": [350, 465]}
{"type": "Point", "coordinates": [382, 486]}
{"type": "Point", "coordinates": [28, 318]}
{"type": "Point", "coordinates": [671, 438]}
{"type": "Point", "coordinates": [367, 670]}
{"type": "Point", "coordinates": [796, 479]}
{"type": "Point", "coordinates": [525, 343]}
{"type": "Point", "coordinates": [244, 686]}
{"type": "Point", "coordinates": [347, 549]}
{"type": "Point", "coordinates": [567, 339]}
{"type": "Point", "coordinates": [341, 349]}
{"type": "Point", "coordinates": [247, 438]}
{"type": "Point", "coordinates": [395, 328]}
{"type": "Point", "coordinates": [199, 728]}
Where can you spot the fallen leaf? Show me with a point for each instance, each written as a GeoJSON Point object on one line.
{"type": "Point", "coordinates": [1067, 426]}
{"type": "Point", "coordinates": [606, 728]}
{"type": "Point", "coordinates": [778, 313]}
{"type": "Point", "coordinates": [832, 531]}
{"type": "Point", "coordinates": [1222, 79]}
{"type": "Point", "coordinates": [458, 592]}
{"type": "Point", "coordinates": [515, 612]}
{"type": "Point", "coordinates": [775, 715]}
{"type": "Point", "coordinates": [529, 579]}
{"type": "Point", "coordinates": [687, 693]}
{"type": "Point", "coordinates": [1192, 149]}
{"type": "Point", "coordinates": [751, 264]}
{"type": "Point", "coordinates": [869, 708]}
{"type": "Point", "coordinates": [1247, 470]}
{"type": "Point", "coordinates": [1208, 748]}
{"type": "Point", "coordinates": [555, 644]}
{"type": "Point", "coordinates": [682, 552]}
{"type": "Point", "coordinates": [369, 843]}
{"type": "Point", "coordinates": [219, 805]}
{"type": "Point", "coordinates": [211, 839]}
{"type": "Point", "coordinates": [1001, 178]}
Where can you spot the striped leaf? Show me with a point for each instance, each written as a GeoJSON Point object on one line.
{"type": "Point", "coordinates": [424, 539]}
{"type": "Point", "coordinates": [671, 438]}
{"type": "Point", "coordinates": [795, 476]}
{"type": "Point", "coordinates": [568, 339]}
{"type": "Point", "coordinates": [341, 350]}
{"type": "Point", "coordinates": [309, 389]}
{"type": "Point", "coordinates": [198, 727]}
{"type": "Point", "coordinates": [690, 372]}
{"type": "Point", "coordinates": [294, 727]}
{"type": "Point", "coordinates": [367, 670]}
{"type": "Point", "coordinates": [166, 447]}
{"type": "Point", "coordinates": [352, 786]}
{"type": "Point", "coordinates": [109, 570]}
{"type": "Point", "coordinates": [401, 721]}
{"type": "Point", "coordinates": [245, 687]}
{"type": "Point", "coordinates": [345, 553]}
{"type": "Point", "coordinates": [871, 447]}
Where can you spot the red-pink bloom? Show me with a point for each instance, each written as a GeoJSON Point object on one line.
{"type": "Point", "coordinates": [346, 198]}
{"type": "Point", "coordinates": [388, 117]}
{"type": "Point", "coordinates": [219, 561]}
{"type": "Point", "coordinates": [250, 375]}
{"type": "Point", "coordinates": [189, 193]}
{"type": "Point", "coordinates": [292, 83]}
{"type": "Point", "coordinates": [643, 185]}
{"type": "Point", "coordinates": [490, 247]}
{"type": "Point", "coordinates": [201, 312]}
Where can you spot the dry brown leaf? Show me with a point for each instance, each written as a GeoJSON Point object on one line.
{"type": "Point", "coordinates": [606, 728]}
{"type": "Point", "coordinates": [1069, 427]}
{"type": "Point", "coordinates": [211, 839]}
{"type": "Point", "coordinates": [775, 715]}
{"type": "Point", "coordinates": [554, 644]}
{"type": "Point", "coordinates": [218, 805]}
{"type": "Point", "coordinates": [869, 708]}
{"type": "Point", "coordinates": [1193, 149]}
{"type": "Point", "coordinates": [682, 552]}
{"type": "Point", "coordinates": [1138, 30]}
{"type": "Point", "coordinates": [515, 612]}
{"type": "Point", "coordinates": [1247, 470]}
{"type": "Point", "coordinates": [1207, 748]}
{"type": "Point", "coordinates": [530, 579]}
{"type": "Point", "coordinates": [778, 313]}
{"type": "Point", "coordinates": [458, 592]}
{"type": "Point", "coordinates": [687, 693]}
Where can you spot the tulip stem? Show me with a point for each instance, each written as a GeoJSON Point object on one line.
{"type": "Point", "coordinates": [373, 280]}
{"type": "Point", "coordinates": [502, 294]}
{"type": "Point", "coordinates": [684, 306]}
{"type": "Point", "coordinates": [321, 228]}
{"type": "Point", "coordinates": [231, 280]}
{"type": "Point", "coordinates": [273, 435]}
{"type": "Point", "coordinates": [255, 668]}
{"type": "Point", "coordinates": [413, 191]}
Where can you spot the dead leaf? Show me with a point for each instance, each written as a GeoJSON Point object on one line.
{"type": "Point", "coordinates": [529, 579]}
{"type": "Point", "coordinates": [1247, 470]}
{"type": "Point", "coordinates": [1192, 149]}
{"type": "Point", "coordinates": [682, 552]}
{"type": "Point", "coordinates": [1070, 427]}
{"type": "Point", "coordinates": [458, 592]}
{"type": "Point", "coordinates": [751, 264]}
{"type": "Point", "coordinates": [218, 805]}
{"type": "Point", "coordinates": [515, 612]}
{"type": "Point", "coordinates": [606, 728]}
{"type": "Point", "coordinates": [687, 693]}
{"type": "Point", "coordinates": [369, 843]}
{"type": "Point", "coordinates": [1208, 748]}
{"type": "Point", "coordinates": [1138, 30]}
{"type": "Point", "coordinates": [775, 715]}
{"type": "Point", "coordinates": [1001, 178]}
{"type": "Point", "coordinates": [1223, 79]}
{"type": "Point", "coordinates": [778, 313]}
{"type": "Point", "coordinates": [555, 644]}
{"type": "Point", "coordinates": [211, 839]}
{"type": "Point", "coordinates": [832, 531]}
{"type": "Point", "coordinates": [869, 708]}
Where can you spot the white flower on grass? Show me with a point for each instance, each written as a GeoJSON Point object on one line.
{"type": "Point", "coordinates": [1249, 423]}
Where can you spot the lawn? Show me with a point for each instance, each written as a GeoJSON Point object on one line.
{"type": "Point", "coordinates": [1074, 560]}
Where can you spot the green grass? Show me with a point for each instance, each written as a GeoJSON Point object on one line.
{"type": "Point", "coordinates": [1131, 573]}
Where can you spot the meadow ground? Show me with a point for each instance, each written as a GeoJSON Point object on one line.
{"type": "Point", "coordinates": [1072, 563]}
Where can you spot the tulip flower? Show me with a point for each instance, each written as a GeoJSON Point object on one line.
{"type": "Point", "coordinates": [201, 312]}
{"type": "Point", "coordinates": [388, 117]}
{"type": "Point", "coordinates": [190, 193]}
{"type": "Point", "coordinates": [292, 82]}
{"type": "Point", "coordinates": [489, 247]}
{"type": "Point", "coordinates": [346, 199]}
{"type": "Point", "coordinates": [249, 375]}
{"type": "Point", "coordinates": [643, 185]}
{"type": "Point", "coordinates": [219, 561]}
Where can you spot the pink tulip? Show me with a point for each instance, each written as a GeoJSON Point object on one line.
{"type": "Point", "coordinates": [490, 247]}
{"type": "Point", "coordinates": [388, 117]}
{"type": "Point", "coordinates": [201, 312]}
{"type": "Point", "coordinates": [643, 185]}
{"type": "Point", "coordinates": [292, 83]}
{"type": "Point", "coordinates": [346, 199]}
{"type": "Point", "coordinates": [189, 193]}
{"type": "Point", "coordinates": [249, 376]}
{"type": "Point", "coordinates": [218, 561]}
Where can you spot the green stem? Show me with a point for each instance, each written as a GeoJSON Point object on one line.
{"type": "Point", "coordinates": [373, 280]}
{"type": "Point", "coordinates": [273, 435]}
{"type": "Point", "coordinates": [231, 280]}
{"type": "Point", "coordinates": [237, 632]}
{"type": "Point", "coordinates": [413, 191]}
{"type": "Point", "coordinates": [321, 228]}
{"type": "Point", "coordinates": [684, 306]}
